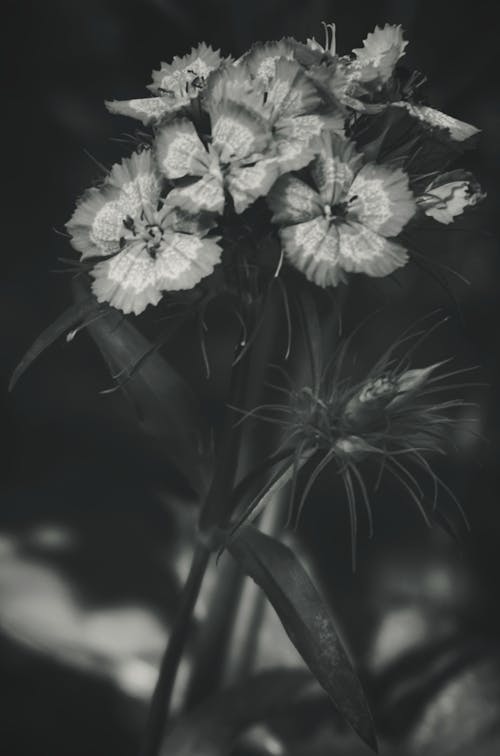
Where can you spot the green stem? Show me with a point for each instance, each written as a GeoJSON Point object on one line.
{"type": "Point", "coordinates": [160, 703]}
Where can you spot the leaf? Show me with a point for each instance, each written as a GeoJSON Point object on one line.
{"type": "Point", "coordinates": [211, 728]}
{"type": "Point", "coordinates": [167, 408]}
{"type": "Point", "coordinates": [266, 495]}
{"type": "Point", "coordinates": [70, 318]}
{"type": "Point", "coordinates": [306, 619]}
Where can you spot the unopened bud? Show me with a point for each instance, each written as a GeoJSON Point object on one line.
{"type": "Point", "coordinates": [370, 401]}
{"type": "Point", "coordinates": [410, 382]}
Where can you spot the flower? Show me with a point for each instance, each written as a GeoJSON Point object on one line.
{"type": "Point", "coordinates": [376, 60]}
{"type": "Point", "coordinates": [449, 195]}
{"type": "Point", "coordinates": [259, 131]}
{"type": "Point", "coordinates": [175, 85]}
{"type": "Point", "coordinates": [343, 223]}
{"type": "Point", "coordinates": [262, 58]}
{"type": "Point", "coordinates": [236, 159]}
{"type": "Point", "coordinates": [293, 104]}
{"type": "Point", "coordinates": [149, 243]}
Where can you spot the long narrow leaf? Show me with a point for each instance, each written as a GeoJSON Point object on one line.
{"type": "Point", "coordinates": [70, 318]}
{"type": "Point", "coordinates": [167, 408]}
{"type": "Point", "coordinates": [306, 619]}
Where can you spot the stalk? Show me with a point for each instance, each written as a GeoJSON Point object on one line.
{"type": "Point", "coordinates": [162, 696]}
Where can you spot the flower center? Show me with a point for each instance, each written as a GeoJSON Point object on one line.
{"type": "Point", "coordinates": [338, 211]}
{"type": "Point", "coordinates": [153, 237]}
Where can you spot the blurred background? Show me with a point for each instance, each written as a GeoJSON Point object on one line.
{"type": "Point", "coordinates": [91, 539]}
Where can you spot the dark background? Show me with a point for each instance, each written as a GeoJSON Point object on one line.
{"type": "Point", "coordinates": [72, 463]}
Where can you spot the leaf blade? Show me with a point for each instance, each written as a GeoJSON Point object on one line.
{"type": "Point", "coordinates": [67, 320]}
{"type": "Point", "coordinates": [307, 621]}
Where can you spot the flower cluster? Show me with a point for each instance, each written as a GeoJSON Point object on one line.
{"type": "Point", "coordinates": [284, 122]}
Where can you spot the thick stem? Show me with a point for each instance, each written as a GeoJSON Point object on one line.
{"type": "Point", "coordinates": [160, 703]}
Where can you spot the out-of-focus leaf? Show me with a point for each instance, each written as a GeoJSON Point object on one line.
{"type": "Point", "coordinates": [167, 408]}
{"type": "Point", "coordinates": [211, 728]}
{"type": "Point", "coordinates": [70, 318]}
{"type": "Point", "coordinates": [306, 619]}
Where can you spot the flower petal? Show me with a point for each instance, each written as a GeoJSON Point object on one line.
{"type": "Point", "coordinates": [248, 183]}
{"type": "Point", "coordinates": [185, 77]}
{"type": "Point", "coordinates": [145, 109]}
{"type": "Point", "coordinates": [297, 140]}
{"type": "Point", "coordinates": [335, 167]}
{"type": "Point", "coordinates": [261, 59]}
{"type": "Point", "coordinates": [206, 194]}
{"type": "Point", "coordinates": [237, 132]}
{"type": "Point", "coordinates": [459, 131]}
{"type": "Point", "coordinates": [381, 199]}
{"type": "Point", "coordinates": [362, 250]}
{"type": "Point", "coordinates": [233, 82]}
{"type": "Point", "coordinates": [290, 92]}
{"type": "Point", "coordinates": [381, 50]}
{"type": "Point", "coordinates": [293, 201]}
{"type": "Point", "coordinates": [313, 248]}
{"type": "Point", "coordinates": [180, 151]}
{"type": "Point", "coordinates": [444, 200]}
{"type": "Point", "coordinates": [97, 224]}
{"type": "Point", "coordinates": [132, 279]}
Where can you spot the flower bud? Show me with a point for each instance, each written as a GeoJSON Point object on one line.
{"type": "Point", "coordinates": [410, 382]}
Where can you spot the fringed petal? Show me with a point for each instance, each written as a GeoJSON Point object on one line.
{"type": "Point", "coordinates": [381, 199]}
{"type": "Point", "coordinates": [293, 201]}
{"type": "Point", "coordinates": [148, 110]}
{"type": "Point", "coordinates": [185, 77]}
{"type": "Point", "coordinates": [132, 279]}
{"type": "Point", "coordinates": [290, 92]}
{"type": "Point", "coordinates": [97, 225]}
{"type": "Point", "coordinates": [362, 250]}
{"type": "Point", "coordinates": [261, 59]}
{"type": "Point", "coordinates": [445, 199]}
{"type": "Point", "coordinates": [313, 248]}
{"type": "Point", "coordinates": [238, 132]}
{"type": "Point", "coordinates": [206, 194]}
{"type": "Point", "coordinates": [246, 184]}
{"type": "Point", "coordinates": [335, 167]}
{"type": "Point", "coordinates": [459, 131]}
{"type": "Point", "coordinates": [180, 151]}
{"type": "Point", "coordinates": [381, 50]}
{"type": "Point", "coordinates": [233, 83]}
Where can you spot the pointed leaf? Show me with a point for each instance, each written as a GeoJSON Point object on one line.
{"type": "Point", "coordinates": [70, 318]}
{"type": "Point", "coordinates": [306, 619]}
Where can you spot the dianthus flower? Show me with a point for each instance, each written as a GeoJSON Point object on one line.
{"type": "Point", "coordinates": [448, 195]}
{"type": "Point", "coordinates": [259, 131]}
{"type": "Point", "coordinates": [149, 243]}
{"type": "Point", "coordinates": [344, 222]}
{"type": "Point", "coordinates": [175, 85]}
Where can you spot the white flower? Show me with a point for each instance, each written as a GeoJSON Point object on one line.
{"type": "Point", "coordinates": [174, 86]}
{"type": "Point", "coordinates": [449, 195]}
{"type": "Point", "coordinates": [237, 158]}
{"type": "Point", "coordinates": [381, 50]}
{"type": "Point", "coordinates": [150, 245]}
{"type": "Point", "coordinates": [343, 224]}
